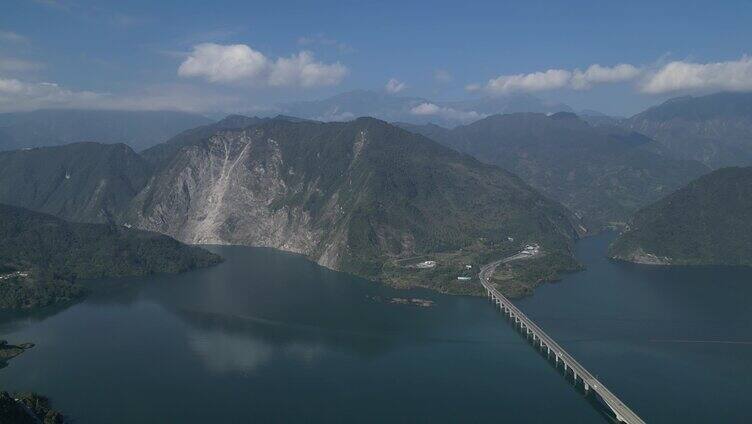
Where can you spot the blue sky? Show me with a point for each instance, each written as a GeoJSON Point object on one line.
{"type": "Point", "coordinates": [244, 55]}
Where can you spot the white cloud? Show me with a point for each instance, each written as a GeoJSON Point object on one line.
{"type": "Point", "coordinates": [239, 63]}
{"type": "Point", "coordinates": [12, 37]}
{"type": "Point", "coordinates": [536, 81]}
{"type": "Point", "coordinates": [393, 86]}
{"type": "Point", "coordinates": [9, 64]}
{"type": "Point", "coordinates": [20, 95]}
{"type": "Point", "coordinates": [473, 87]}
{"type": "Point", "coordinates": [688, 76]}
{"type": "Point", "coordinates": [597, 74]}
{"type": "Point", "coordinates": [302, 70]}
{"type": "Point", "coordinates": [224, 63]}
{"type": "Point", "coordinates": [442, 76]}
{"type": "Point", "coordinates": [554, 79]}
{"type": "Point", "coordinates": [431, 109]}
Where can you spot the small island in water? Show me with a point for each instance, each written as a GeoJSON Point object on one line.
{"type": "Point", "coordinates": [9, 351]}
{"type": "Point", "coordinates": [412, 301]}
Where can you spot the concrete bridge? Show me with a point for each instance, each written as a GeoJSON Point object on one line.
{"type": "Point", "coordinates": [553, 351]}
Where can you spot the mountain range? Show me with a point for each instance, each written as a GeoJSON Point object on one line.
{"type": "Point", "coordinates": [715, 129]}
{"type": "Point", "coordinates": [51, 127]}
{"type": "Point", "coordinates": [360, 196]}
{"type": "Point", "coordinates": [602, 173]}
{"type": "Point", "coordinates": [369, 197]}
{"type": "Point", "coordinates": [416, 110]}
{"type": "Point", "coordinates": [708, 222]}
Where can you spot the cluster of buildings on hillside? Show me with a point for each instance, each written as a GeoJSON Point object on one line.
{"type": "Point", "coordinates": [20, 274]}
{"type": "Point", "coordinates": [531, 249]}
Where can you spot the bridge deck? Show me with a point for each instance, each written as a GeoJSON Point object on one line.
{"type": "Point", "coordinates": [622, 411]}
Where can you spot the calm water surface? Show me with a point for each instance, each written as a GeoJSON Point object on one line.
{"type": "Point", "coordinates": [270, 337]}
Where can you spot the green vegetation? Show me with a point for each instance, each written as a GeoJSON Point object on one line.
{"type": "Point", "coordinates": [708, 222]}
{"type": "Point", "coordinates": [41, 257]}
{"type": "Point", "coordinates": [403, 195]}
{"type": "Point", "coordinates": [519, 278]}
{"type": "Point", "coordinates": [354, 196]}
{"type": "Point", "coordinates": [27, 408]}
{"type": "Point", "coordinates": [603, 174]}
{"type": "Point", "coordinates": [83, 182]}
{"type": "Point", "coordinates": [30, 293]}
{"type": "Point", "coordinates": [404, 273]}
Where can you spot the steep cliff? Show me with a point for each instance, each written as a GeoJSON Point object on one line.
{"type": "Point", "coordinates": [352, 196]}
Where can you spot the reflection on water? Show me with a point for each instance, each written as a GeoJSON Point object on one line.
{"type": "Point", "coordinates": [269, 336]}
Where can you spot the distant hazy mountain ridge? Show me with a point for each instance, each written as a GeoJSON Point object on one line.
{"type": "Point", "coordinates": [602, 173]}
{"type": "Point", "coordinates": [52, 127]}
{"type": "Point", "coordinates": [715, 129]}
{"type": "Point", "coordinates": [416, 110]}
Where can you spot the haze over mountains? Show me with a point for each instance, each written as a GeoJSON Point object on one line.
{"type": "Point", "coordinates": [715, 129]}
{"type": "Point", "coordinates": [602, 173]}
{"type": "Point", "coordinates": [417, 110]}
{"type": "Point", "coordinates": [51, 127]}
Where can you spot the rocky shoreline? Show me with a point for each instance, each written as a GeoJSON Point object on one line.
{"type": "Point", "coordinates": [639, 256]}
{"type": "Point", "coordinates": [8, 351]}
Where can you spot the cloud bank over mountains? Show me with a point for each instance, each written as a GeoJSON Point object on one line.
{"type": "Point", "coordinates": [394, 86]}
{"type": "Point", "coordinates": [214, 77]}
{"type": "Point", "coordinates": [688, 76]}
{"type": "Point", "coordinates": [446, 113]}
{"type": "Point", "coordinates": [673, 77]}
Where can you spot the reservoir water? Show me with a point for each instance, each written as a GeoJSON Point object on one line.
{"type": "Point", "coordinates": [271, 337]}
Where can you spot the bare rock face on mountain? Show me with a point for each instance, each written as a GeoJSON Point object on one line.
{"type": "Point", "coordinates": [220, 191]}
{"type": "Point", "coordinates": [352, 196]}
{"type": "Point", "coordinates": [362, 196]}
